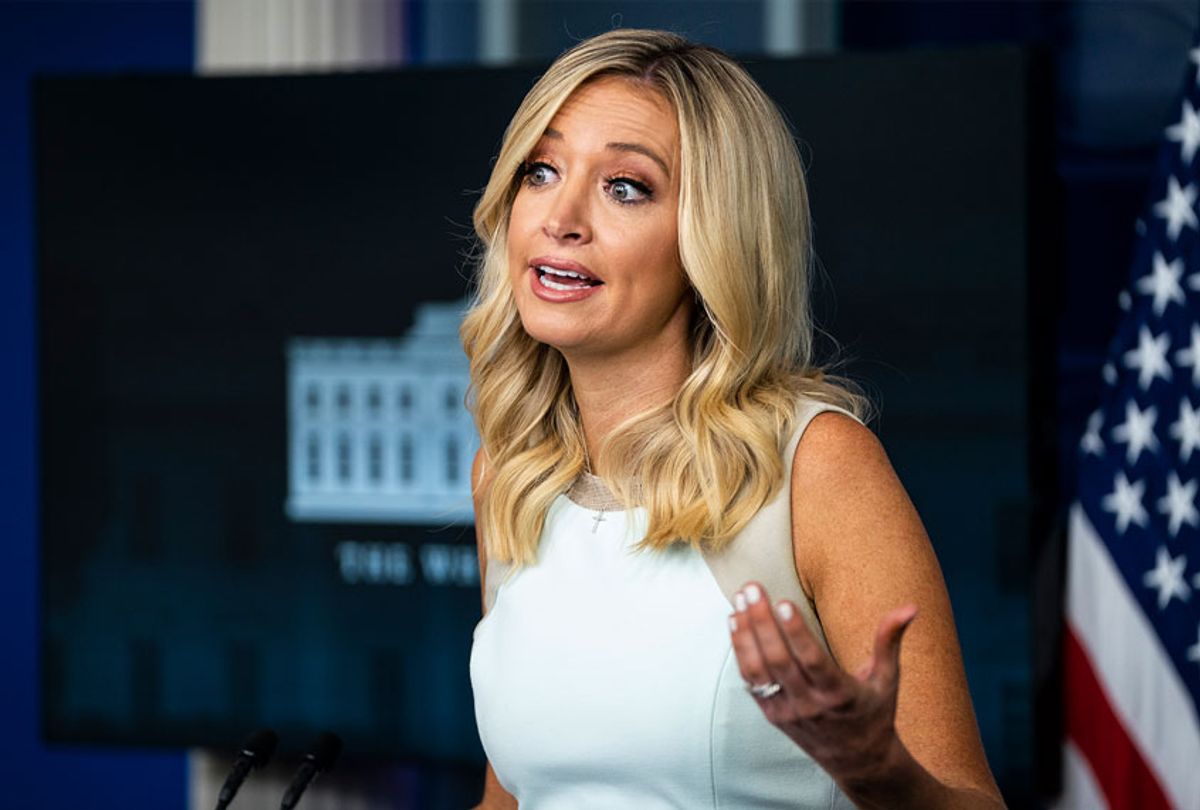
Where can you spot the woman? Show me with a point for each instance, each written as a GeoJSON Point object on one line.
{"type": "Point", "coordinates": [642, 314]}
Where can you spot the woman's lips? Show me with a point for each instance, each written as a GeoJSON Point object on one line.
{"type": "Point", "coordinates": [559, 296]}
{"type": "Point", "coordinates": [567, 266]}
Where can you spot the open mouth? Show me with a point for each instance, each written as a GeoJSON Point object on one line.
{"type": "Point", "coordinates": [558, 279]}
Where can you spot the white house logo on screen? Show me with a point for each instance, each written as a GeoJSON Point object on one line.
{"type": "Point", "coordinates": [378, 430]}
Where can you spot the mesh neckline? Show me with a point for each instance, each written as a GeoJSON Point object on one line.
{"type": "Point", "coordinates": [590, 492]}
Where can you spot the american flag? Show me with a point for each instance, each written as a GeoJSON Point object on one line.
{"type": "Point", "coordinates": [1132, 645]}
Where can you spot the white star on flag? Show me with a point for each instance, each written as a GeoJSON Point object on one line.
{"type": "Point", "coordinates": [1186, 132]}
{"type": "Point", "coordinates": [1186, 429]}
{"type": "Point", "coordinates": [1190, 355]}
{"type": "Point", "coordinates": [1163, 283]}
{"type": "Point", "coordinates": [1137, 430]}
{"type": "Point", "coordinates": [1126, 502]}
{"type": "Point", "coordinates": [1179, 503]}
{"type": "Point", "coordinates": [1150, 357]}
{"type": "Point", "coordinates": [1176, 208]}
{"type": "Point", "coordinates": [1091, 441]}
{"type": "Point", "coordinates": [1167, 577]}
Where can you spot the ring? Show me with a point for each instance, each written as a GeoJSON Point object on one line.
{"type": "Point", "coordinates": [764, 690]}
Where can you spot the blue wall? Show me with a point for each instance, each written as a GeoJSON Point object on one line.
{"type": "Point", "coordinates": [56, 37]}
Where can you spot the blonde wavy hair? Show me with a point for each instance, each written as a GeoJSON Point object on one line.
{"type": "Point", "coordinates": [703, 464]}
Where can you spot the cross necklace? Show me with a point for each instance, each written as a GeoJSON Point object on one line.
{"type": "Point", "coordinates": [598, 518]}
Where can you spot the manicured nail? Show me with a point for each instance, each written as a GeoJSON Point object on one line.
{"type": "Point", "coordinates": [733, 624]}
{"type": "Point", "coordinates": [784, 611]}
{"type": "Point", "coordinates": [753, 594]}
{"type": "Point", "coordinates": [739, 602]}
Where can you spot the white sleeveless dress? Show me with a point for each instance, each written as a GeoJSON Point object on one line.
{"type": "Point", "coordinates": [604, 678]}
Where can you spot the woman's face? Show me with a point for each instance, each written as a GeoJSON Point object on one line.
{"type": "Point", "coordinates": [593, 251]}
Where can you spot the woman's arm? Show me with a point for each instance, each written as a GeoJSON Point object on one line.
{"type": "Point", "coordinates": [495, 797]}
{"type": "Point", "coordinates": [899, 732]}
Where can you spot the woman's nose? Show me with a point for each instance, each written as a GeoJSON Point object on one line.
{"type": "Point", "coordinates": [567, 219]}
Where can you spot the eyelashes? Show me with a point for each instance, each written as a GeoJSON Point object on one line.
{"type": "Point", "coordinates": [622, 189]}
{"type": "Point", "coordinates": [529, 170]}
{"type": "Point", "coordinates": [617, 183]}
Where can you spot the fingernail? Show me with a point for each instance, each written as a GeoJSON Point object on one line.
{"type": "Point", "coordinates": [784, 611]}
{"type": "Point", "coordinates": [739, 602]}
{"type": "Point", "coordinates": [733, 624]}
{"type": "Point", "coordinates": [753, 594]}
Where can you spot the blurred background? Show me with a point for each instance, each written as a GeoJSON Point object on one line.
{"type": "Point", "coordinates": [232, 260]}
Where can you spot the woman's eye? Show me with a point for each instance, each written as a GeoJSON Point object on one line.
{"type": "Point", "coordinates": [624, 190]}
{"type": "Point", "coordinates": [539, 174]}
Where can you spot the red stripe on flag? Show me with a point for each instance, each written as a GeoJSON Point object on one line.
{"type": "Point", "coordinates": [1100, 736]}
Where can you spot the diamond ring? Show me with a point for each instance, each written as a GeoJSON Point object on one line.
{"type": "Point", "coordinates": [764, 690]}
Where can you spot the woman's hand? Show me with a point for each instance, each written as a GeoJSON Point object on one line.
{"type": "Point", "coordinates": [845, 722]}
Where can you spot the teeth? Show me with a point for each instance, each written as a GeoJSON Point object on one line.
{"type": "Point", "coordinates": [545, 281]}
{"type": "Point", "coordinates": [558, 272]}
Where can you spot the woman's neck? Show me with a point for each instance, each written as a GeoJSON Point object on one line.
{"type": "Point", "coordinates": [609, 390]}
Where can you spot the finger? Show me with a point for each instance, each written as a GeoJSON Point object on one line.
{"type": "Point", "coordinates": [816, 667]}
{"type": "Point", "coordinates": [749, 659]}
{"type": "Point", "coordinates": [773, 647]}
{"type": "Point", "coordinates": [819, 668]}
{"type": "Point", "coordinates": [885, 660]}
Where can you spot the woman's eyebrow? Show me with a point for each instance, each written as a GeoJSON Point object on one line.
{"type": "Point", "coordinates": [619, 146]}
{"type": "Point", "coordinates": [641, 150]}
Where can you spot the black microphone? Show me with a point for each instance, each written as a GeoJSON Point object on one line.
{"type": "Point", "coordinates": [320, 757]}
{"type": "Point", "coordinates": [256, 752]}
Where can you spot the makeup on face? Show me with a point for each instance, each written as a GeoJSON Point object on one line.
{"type": "Point", "coordinates": [593, 232]}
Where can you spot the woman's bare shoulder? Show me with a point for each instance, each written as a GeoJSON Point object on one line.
{"type": "Point", "coordinates": [835, 449]}
{"type": "Point", "coordinates": [842, 480]}
{"type": "Point", "coordinates": [852, 520]}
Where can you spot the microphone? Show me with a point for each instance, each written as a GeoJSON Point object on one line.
{"type": "Point", "coordinates": [320, 758]}
{"type": "Point", "coordinates": [256, 752]}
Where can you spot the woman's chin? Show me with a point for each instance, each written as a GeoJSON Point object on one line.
{"type": "Point", "coordinates": [566, 344]}
{"type": "Point", "coordinates": [562, 336]}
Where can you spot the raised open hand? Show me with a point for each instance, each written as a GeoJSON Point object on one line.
{"type": "Point", "coordinates": [845, 722]}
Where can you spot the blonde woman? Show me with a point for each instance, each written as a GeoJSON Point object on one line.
{"type": "Point", "coordinates": [697, 563]}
